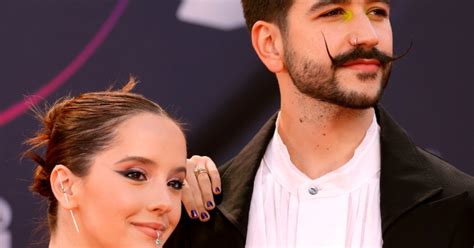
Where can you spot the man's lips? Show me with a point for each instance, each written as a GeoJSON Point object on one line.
{"type": "Point", "coordinates": [366, 65]}
{"type": "Point", "coordinates": [150, 229]}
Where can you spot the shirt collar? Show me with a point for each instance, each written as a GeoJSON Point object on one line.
{"type": "Point", "coordinates": [362, 167]}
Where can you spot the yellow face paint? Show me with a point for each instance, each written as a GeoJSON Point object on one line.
{"type": "Point", "coordinates": [348, 15]}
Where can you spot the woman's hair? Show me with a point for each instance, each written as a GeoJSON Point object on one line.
{"type": "Point", "coordinates": [75, 129]}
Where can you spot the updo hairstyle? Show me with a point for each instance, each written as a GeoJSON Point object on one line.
{"type": "Point", "coordinates": [74, 129]}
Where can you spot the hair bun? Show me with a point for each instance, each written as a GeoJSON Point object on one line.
{"type": "Point", "coordinates": [51, 117]}
{"type": "Point", "coordinates": [41, 184]}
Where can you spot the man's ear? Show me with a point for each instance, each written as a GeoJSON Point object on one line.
{"type": "Point", "coordinates": [268, 44]}
{"type": "Point", "coordinates": [63, 183]}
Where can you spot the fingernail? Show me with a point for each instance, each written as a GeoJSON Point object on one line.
{"type": "Point", "coordinates": [217, 190]}
{"type": "Point", "coordinates": [194, 214]}
{"type": "Point", "coordinates": [210, 204]}
{"type": "Point", "coordinates": [204, 215]}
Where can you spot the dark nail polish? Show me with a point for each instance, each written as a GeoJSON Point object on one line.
{"type": "Point", "coordinates": [204, 215]}
{"type": "Point", "coordinates": [217, 190]}
{"type": "Point", "coordinates": [194, 214]}
{"type": "Point", "coordinates": [210, 204]}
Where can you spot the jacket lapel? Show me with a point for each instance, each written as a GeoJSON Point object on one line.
{"type": "Point", "coordinates": [405, 181]}
{"type": "Point", "coordinates": [238, 177]}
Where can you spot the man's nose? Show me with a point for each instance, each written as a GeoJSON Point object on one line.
{"type": "Point", "coordinates": [363, 32]}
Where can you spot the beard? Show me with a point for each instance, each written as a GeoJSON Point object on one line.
{"type": "Point", "coordinates": [320, 82]}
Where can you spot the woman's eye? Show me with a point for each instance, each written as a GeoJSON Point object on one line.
{"type": "Point", "coordinates": [334, 12]}
{"type": "Point", "coordinates": [135, 175]}
{"type": "Point", "coordinates": [175, 184]}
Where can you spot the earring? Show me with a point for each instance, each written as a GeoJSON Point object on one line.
{"type": "Point", "coordinates": [63, 190]}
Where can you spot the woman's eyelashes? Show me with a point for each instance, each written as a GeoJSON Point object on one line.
{"type": "Point", "coordinates": [134, 174]}
{"type": "Point", "coordinates": [140, 176]}
{"type": "Point", "coordinates": [176, 184]}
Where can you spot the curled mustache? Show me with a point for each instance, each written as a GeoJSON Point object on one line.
{"type": "Point", "coordinates": [360, 53]}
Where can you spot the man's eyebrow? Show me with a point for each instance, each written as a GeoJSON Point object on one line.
{"type": "Point", "coordinates": [323, 3]}
{"type": "Point", "coordinates": [379, 1]}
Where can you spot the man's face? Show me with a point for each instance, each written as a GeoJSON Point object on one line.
{"type": "Point", "coordinates": [359, 37]}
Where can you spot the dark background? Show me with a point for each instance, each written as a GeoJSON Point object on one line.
{"type": "Point", "coordinates": [209, 77]}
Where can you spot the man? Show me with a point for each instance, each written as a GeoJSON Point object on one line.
{"type": "Point", "coordinates": [332, 169]}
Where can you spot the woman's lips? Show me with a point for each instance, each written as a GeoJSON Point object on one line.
{"type": "Point", "coordinates": [152, 230]}
{"type": "Point", "coordinates": [365, 65]}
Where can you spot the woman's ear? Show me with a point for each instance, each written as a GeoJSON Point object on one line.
{"type": "Point", "coordinates": [267, 42]}
{"type": "Point", "coordinates": [62, 182]}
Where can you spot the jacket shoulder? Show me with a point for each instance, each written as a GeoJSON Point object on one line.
{"type": "Point", "coordinates": [453, 180]}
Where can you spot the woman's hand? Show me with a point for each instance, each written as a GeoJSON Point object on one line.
{"type": "Point", "coordinates": [202, 182]}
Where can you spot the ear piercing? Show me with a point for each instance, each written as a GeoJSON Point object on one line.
{"type": "Point", "coordinates": [63, 190]}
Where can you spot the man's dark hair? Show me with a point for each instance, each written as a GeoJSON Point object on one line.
{"type": "Point", "coordinates": [266, 10]}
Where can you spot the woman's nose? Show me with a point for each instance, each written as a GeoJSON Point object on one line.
{"type": "Point", "coordinates": [161, 201]}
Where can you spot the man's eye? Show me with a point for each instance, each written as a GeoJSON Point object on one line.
{"type": "Point", "coordinates": [378, 12]}
{"type": "Point", "coordinates": [334, 12]}
{"type": "Point", "coordinates": [175, 184]}
{"type": "Point", "coordinates": [134, 175]}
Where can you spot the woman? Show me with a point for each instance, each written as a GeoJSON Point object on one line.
{"type": "Point", "coordinates": [112, 170]}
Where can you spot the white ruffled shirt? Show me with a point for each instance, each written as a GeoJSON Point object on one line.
{"type": "Point", "coordinates": [339, 209]}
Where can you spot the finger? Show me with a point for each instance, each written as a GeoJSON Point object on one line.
{"type": "Point", "coordinates": [204, 183]}
{"type": "Point", "coordinates": [196, 191]}
{"type": "Point", "coordinates": [214, 175]}
{"type": "Point", "coordinates": [188, 201]}
{"type": "Point", "coordinates": [206, 193]}
{"type": "Point", "coordinates": [204, 216]}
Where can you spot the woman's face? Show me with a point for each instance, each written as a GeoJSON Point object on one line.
{"type": "Point", "coordinates": [133, 188]}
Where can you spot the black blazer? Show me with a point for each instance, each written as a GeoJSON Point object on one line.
{"type": "Point", "coordinates": [424, 201]}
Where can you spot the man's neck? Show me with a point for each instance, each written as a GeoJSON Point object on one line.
{"type": "Point", "coordinates": [321, 137]}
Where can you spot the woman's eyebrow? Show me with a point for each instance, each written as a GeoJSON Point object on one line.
{"type": "Point", "coordinates": [180, 169]}
{"type": "Point", "coordinates": [147, 161]}
{"type": "Point", "coordinates": [139, 159]}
